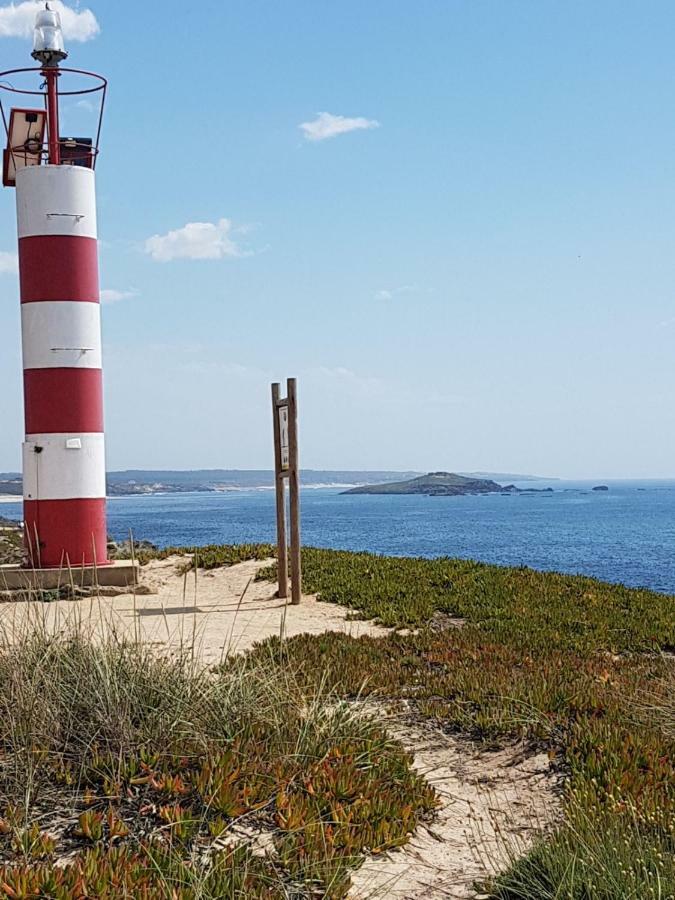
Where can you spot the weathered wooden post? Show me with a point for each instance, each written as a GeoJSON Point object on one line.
{"type": "Point", "coordinates": [286, 466]}
{"type": "Point", "coordinates": [294, 481]}
{"type": "Point", "coordinates": [280, 490]}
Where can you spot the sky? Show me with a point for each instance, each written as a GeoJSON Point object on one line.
{"type": "Point", "coordinates": [452, 220]}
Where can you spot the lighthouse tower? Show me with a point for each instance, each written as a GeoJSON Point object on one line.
{"type": "Point", "coordinates": [64, 480]}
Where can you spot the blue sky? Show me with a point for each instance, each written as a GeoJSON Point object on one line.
{"type": "Point", "coordinates": [479, 276]}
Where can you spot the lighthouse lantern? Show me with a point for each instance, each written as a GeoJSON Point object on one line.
{"type": "Point", "coordinates": [48, 47]}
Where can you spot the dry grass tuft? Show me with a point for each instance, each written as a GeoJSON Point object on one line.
{"type": "Point", "coordinates": [124, 772]}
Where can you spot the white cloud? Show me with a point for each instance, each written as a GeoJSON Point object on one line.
{"type": "Point", "coordinates": [196, 240]}
{"type": "Point", "coordinates": [390, 293]}
{"type": "Point", "coordinates": [110, 295]}
{"type": "Point", "coordinates": [18, 20]}
{"type": "Point", "coordinates": [9, 263]}
{"type": "Point", "coordinates": [327, 126]}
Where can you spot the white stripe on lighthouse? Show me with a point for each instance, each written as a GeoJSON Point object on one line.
{"type": "Point", "coordinates": [63, 466]}
{"type": "Point", "coordinates": [61, 334]}
{"type": "Point", "coordinates": [56, 200]}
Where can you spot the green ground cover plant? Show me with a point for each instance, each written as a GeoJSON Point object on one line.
{"type": "Point", "coordinates": [569, 664]}
{"type": "Point", "coordinates": [211, 556]}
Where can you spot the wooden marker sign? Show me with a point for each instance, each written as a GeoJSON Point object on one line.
{"type": "Point", "coordinates": [285, 421]}
{"type": "Point", "coordinates": [283, 438]}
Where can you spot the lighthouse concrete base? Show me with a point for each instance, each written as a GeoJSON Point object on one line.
{"type": "Point", "coordinates": [121, 573]}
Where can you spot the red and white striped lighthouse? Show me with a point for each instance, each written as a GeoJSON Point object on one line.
{"type": "Point", "coordinates": [64, 479]}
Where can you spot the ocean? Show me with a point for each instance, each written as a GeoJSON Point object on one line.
{"type": "Point", "coordinates": [625, 535]}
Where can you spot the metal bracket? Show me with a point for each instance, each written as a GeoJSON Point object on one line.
{"type": "Point", "coordinates": [77, 216]}
{"type": "Point", "coordinates": [72, 349]}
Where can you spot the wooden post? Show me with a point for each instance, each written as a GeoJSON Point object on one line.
{"type": "Point", "coordinates": [294, 481]}
{"type": "Point", "coordinates": [280, 489]}
{"type": "Point", "coordinates": [286, 465]}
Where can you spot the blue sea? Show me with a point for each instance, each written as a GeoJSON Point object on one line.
{"type": "Point", "coordinates": [626, 534]}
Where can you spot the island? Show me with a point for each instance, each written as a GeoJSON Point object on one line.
{"type": "Point", "coordinates": [444, 484]}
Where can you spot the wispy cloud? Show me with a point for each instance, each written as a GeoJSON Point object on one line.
{"type": "Point", "coordinates": [233, 370]}
{"type": "Point", "coordinates": [196, 240]}
{"type": "Point", "coordinates": [9, 263]}
{"type": "Point", "coordinates": [327, 126]}
{"type": "Point", "coordinates": [390, 293]}
{"type": "Point", "coordinates": [365, 389]}
{"type": "Point", "coordinates": [340, 383]}
{"type": "Point", "coordinates": [110, 295]}
{"type": "Point", "coordinates": [18, 20]}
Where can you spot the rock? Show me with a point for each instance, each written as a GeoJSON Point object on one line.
{"type": "Point", "coordinates": [123, 549]}
{"type": "Point", "coordinates": [9, 523]}
{"type": "Point", "coordinates": [601, 487]}
{"type": "Point", "coordinates": [442, 621]}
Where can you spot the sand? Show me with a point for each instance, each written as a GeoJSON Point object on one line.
{"type": "Point", "coordinates": [212, 613]}
{"type": "Point", "coordinates": [493, 804]}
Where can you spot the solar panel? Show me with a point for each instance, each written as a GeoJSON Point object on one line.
{"type": "Point", "coordinates": [25, 140]}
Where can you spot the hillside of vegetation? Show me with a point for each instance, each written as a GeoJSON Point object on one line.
{"type": "Point", "coordinates": [134, 772]}
{"type": "Point", "coordinates": [433, 483]}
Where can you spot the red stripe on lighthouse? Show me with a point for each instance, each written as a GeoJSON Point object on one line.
{"type": "Point", "coordinates": [69, 532]}
{"type": "Point", "coordinates": [63, 400]}
{"type": "Point", "coordinates": [58, 267]}
{"type": "Point", "coordinates": [63, 454]}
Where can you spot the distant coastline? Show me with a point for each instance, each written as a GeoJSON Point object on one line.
{"type": "Point", "coordinates": [140, 482]}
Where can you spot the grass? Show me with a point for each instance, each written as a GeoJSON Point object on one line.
{"type": "Point", "coordinates": [606, 857]}
{"type": "Point", "coordinates": [124, 773]}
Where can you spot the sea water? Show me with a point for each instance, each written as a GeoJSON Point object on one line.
{"type": "Point", "coordinates": [626, 534]}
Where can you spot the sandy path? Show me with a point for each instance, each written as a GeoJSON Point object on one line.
{"type": "Point", "coordinates": [492, 804]}
{"type": "Point", "coordinates": [216, 612]}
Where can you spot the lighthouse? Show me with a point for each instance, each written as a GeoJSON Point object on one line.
{"type": "Point", "coordinates": [64, 482]}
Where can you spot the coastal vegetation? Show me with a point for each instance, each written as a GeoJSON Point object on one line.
{"type": "Point", "coordinates": [11, 542]}
{"type": "Point", "coordinates": [124, 773]}
{"type": "Point", "coordinates": [127, 773]}
{"type": "Point", "coordinates": [578, 667]}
